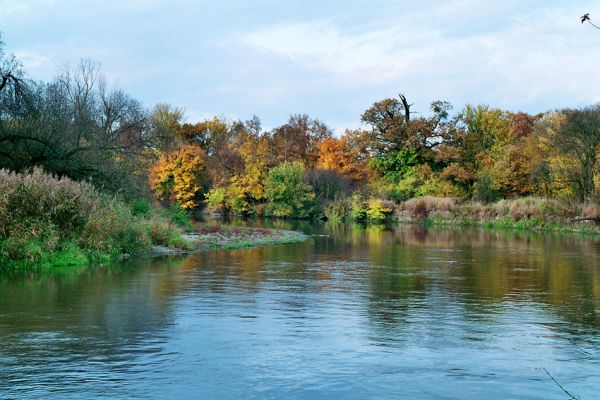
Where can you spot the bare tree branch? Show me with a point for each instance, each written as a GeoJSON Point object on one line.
{"type": "Point", "coordinates": [586, 18]}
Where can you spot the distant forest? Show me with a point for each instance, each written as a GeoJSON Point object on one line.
{"type": "Point", "coordinates": [76, 126]}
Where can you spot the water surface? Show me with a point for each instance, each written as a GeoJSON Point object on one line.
{"type": "Point", "coordinates": [361, 313]}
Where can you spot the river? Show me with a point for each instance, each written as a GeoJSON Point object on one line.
{"type": "Point", "coordinates": [352, 313]}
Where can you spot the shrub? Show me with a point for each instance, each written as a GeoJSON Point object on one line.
{"type": "Point", "coordinates": [216, 199]}
{"type": "Point", "coordinates": [45, 220]}
{"type": "Point", "coordinates": [287, 193]}
{"type": "Point", "coordinates": [239, 201]}
{"type": "Point", "coordinates": [358, 210]}
{"type": "Point", "coordinates": [338, 210]}
{"type": "Point", "coordinates": [178, 216]}
{"type": "Point", "coordinates": [485, 191]}
{"type": "Point", "coordinates": [419, 211]}
{"type": "Point", "coordinates": [378, 211]}
{"type": "Point", "coordinates": [406, 189]}
{"type": "Point", "coordinates": [140, 207]}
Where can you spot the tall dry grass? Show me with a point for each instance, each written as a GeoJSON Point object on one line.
{"type": "Point", "coordinates": [43, 217]}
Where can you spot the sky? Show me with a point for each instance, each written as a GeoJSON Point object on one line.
{"type": "Point", "coordinates": [329, 59]}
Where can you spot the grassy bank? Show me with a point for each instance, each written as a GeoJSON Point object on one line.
{"type": "Point", "coordinates": [47, 221]}
{"type": "Point", "coordinates": [527, 213]}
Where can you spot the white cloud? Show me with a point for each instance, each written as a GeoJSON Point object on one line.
{"type": "Point", "coordinates": [524, 60]}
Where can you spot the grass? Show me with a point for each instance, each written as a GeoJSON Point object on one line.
{"type": "Point", "coordinates": [46, 221]}
{"type": "Point", "coordinates": [529, 213]}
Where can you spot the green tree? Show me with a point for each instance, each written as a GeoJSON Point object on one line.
{"type": "Point", "coordinates": [579, 137]}
{"type": "Point", "coordinates": [287, 192]}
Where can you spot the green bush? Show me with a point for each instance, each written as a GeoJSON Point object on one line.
{"type": "Point", "coordinates": [338, 210]}
{"type": "Point", "coordinates": [288, 194]}
{"type": "Point", "coordinates": [484, 189]}
{"type": "Point", "coordinates": [216, 199]}
{"type": "Point", "coordinates": [140, 208]}
{"type": "Point", "coordinates": [405, 189]}
{"type": "Point", "coordinates": [178, 216]}
{"type": "Point", "coordinates": [240, 205]}
{"type": "Point", "coordinates": [358, 211]}
{"type": "Point", "coordinates": [378, 211]}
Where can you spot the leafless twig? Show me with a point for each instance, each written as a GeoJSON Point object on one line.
{"type": "Point", "coordinates": [586, 18]}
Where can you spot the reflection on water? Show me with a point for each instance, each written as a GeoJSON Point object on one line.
{"type": "Point", "coordinates": [354, 312]}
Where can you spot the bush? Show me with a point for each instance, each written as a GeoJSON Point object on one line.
{"type": "Point", "coordinates": [287, 193]}
{"type": "Point", "coordinates": [178, 216]}
{"type": "Point", "coordinates": [378, 211]}
{"type": "Point", "coordinates": [406, 189]}
{"type": "Point", "coordinates": [338, 210]}
{"type": "Point", "coordinates": [485, 191]}
{"type": "Point", "coordinates": [140, 208]}
{"type": "Point", "coordinates": [358, 210]}
{"type": "Point", "coordinates": [46, 221]}
{"type": "Point", "coordinates": [216, 200]}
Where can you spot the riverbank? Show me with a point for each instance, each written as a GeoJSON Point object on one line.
{"type": "Point", "coordinates": [529, 213]}
{"type": "Point", "coordinates": [227, 237]}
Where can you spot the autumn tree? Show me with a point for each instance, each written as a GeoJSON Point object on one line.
{"type": "Point", "coordinates": [389, 120]}
{"type": "Point", "coordinates": [247, 187]}
{"type": "Point", "coordinates": [579, 137]}
{"type": "Point", "coordinates": [337, 155]}
{"type": "Point", "coordinates": [165, 125]}
{"type": "Point", "coordinates": [178, 176]}
{"type": "Point", "coordinates": [297, 140]}
{"type": "Point", "coordinates": [400, 140]}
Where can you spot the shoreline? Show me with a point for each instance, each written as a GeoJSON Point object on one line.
{"type": "Point", "coordinates": [507, 225]}
{"type": "Point", "coordinates": [228, 238]}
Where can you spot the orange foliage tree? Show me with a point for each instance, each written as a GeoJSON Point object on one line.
{"type": "Point", "coordinates": [336, 155]}
{"type": "Point", "coordinates": [178, 176]}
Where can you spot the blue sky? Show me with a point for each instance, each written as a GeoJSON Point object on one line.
{"type": "Point", "coordinates": [330, 59]}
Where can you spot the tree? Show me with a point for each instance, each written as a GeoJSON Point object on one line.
{"type": "Point", "coordinates": [580, 138]}
{"type": "Point", "coordinates": [179, 176]}
{"type": "Point", "coordinates": [297, 140]}
{"type": "Point", "coordinates": [11, 72]}
{"type": "Point", "coordinates": [75, 126]}
{"type": "Point", "coordinates": [399, 139]}
{"type": "Point", "coordinates": [247, 187]}
{"type": "Point", "coordinates": [165, 125]}
{"type": "Point", "coordinates": [287, 192]}
{"type": "Point", "coordinates": [389, 121]}
{"type": "Point", "coordinates": [337, 155]}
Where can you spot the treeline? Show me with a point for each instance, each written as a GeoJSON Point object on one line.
{"type": "Point", "coordinates": [76, 126]}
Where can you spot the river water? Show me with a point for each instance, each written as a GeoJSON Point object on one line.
{"type": "Point", "coordinates": [357, 313]}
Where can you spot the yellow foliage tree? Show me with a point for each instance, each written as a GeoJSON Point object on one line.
{"type": "Point", "coordinates": [177, 176]}
{"type": "Point", "coordinates": [336, 155]}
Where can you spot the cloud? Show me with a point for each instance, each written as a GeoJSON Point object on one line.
{"type": "Point", "coordinates": [524, 60]}
{"type": "Point", "coordinates": [329, 59]}
{"type": "Point", "coordinates": [369, 57]}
